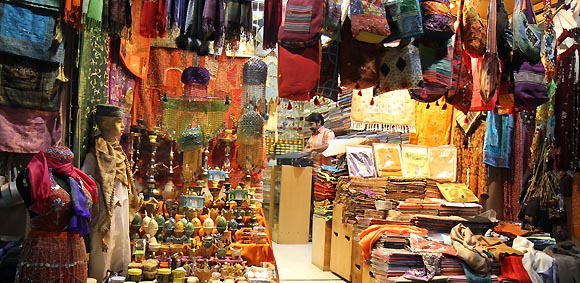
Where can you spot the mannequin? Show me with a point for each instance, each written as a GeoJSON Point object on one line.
{"type": "Point", "coordinates": [118, 201]}
{"type": "Point", "coordinates": [59, 197]}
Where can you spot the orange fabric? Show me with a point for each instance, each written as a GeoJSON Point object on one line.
{"type": "Point", "coordinates": [369, 236]}
{"type": "Point", "coordinates": [510, 229]}
{"type": "Point", "coordinates": [255, 254]}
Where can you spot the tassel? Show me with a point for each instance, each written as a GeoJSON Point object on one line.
{"type": "Point", "coordinates": [360, 93]}
{"type": "Point", "coordinates": [58, 33]}
{"type": "Point", "coordinates": [340, 90]}
{"type": "Point", "coordinates": [316, 101]}
{"type": "Point", "coordinates": [373, 101]}
{"type": "Point", "coordinates": [428, 105]}
{"type": "Point", "coordinates": [61, 76]}
{"type": "Point", "coordinates": [289, 106]}
{"type": "Point", "coordinates": [444, 107]}
{"type": "Point", "coordinates": [466, 120]}
{"type": "Point", "coordinates": [437, 103]}
{"type": "Point", "coordinates": [357, 86]}
{"type": "Point", "coordinates": [278, 101]}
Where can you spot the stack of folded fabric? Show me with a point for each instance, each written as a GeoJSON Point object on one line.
{"type": "Point", "coordinates": [380, 264]}
{"type": "Point", "coordinates": [431, 189]}
{"type": "Point", "coordinates": [399, 188]}
{"type": "Point", "coordinates": [418, 206]}
{"type": "Point", "coordinates": [323, 209]}
{"type": "Point", "coordinates": [441, 224]}
{"type": "Point", "coordinates": [359, 195]}
{"type": "Point", "coordinates": [459, 209]}
{"type": "Point", "coordinates": [451, 266]}
{"type": "Point", "coordinates": [464, 279]}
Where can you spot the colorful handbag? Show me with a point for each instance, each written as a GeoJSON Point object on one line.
{"type": "Point", "coordinates": [302, 24]}
{"type": "Point", "coordinates": [461, 90]}
{"type": "Point", "coordinates": [404, 17]}
{"type": "Point", "coordinates": [436, 68]}
{"type": "Point", "coordinates": [527, 34]}
{"type": "Point", "coordinates": [473, 31]}
{"type": "Point", "coordinates": [332, 18]}
{"type": "Point", "coordinates": [358, 64]}
{"type": "Point", "coordinates": [400, 68]}
{"type": "Point", "coordinates": [530, 90]}
{"type": "Point", "coordinates": [437, 20]}
{"type": "Point", "coordinates": [368, 20]}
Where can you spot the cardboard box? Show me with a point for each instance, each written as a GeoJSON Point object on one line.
{"type": "Point", "coordinates": [321, 241]}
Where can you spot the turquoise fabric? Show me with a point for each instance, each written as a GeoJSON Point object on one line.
{"type": "Point", "coordinates": [499, 138]}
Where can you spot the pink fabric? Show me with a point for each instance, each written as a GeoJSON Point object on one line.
{"type": "Point", "coordinates": [477, 103]}
{"type": "Point", "coordinates": [28, 131]}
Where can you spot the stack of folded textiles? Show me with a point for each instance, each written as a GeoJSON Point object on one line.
{"type": "Point", "coordinates": [400, 188]}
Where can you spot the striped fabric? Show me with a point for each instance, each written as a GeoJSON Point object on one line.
{"type": "Point", "coordinates": [298, 18]}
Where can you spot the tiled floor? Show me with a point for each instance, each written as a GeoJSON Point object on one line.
{"type": "Point", "coordinates": [294, 265]}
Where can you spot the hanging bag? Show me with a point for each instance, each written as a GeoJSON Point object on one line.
{"type": "Point", "coordinates": [368, 20]}
{"type": "Point", "coordinates": [473, 31]}
{"type": "Point", "coordinates": [530, 89]}
{"type": "Point", "coordinates": [437, 20]}
{"type": "Point", "coordinates": [400, 68]}
{"type": "Point", "coordinates": [527, 34]}
{"type": "Point", "coordinates": [358, 63]}
{"type": "Point", "coordinates": [404, 17]}
{"type": "Point", "coordinates": [302, 24]}
{"type": "Point", "coordinates": [461, 90]}
{"type": "Point", "coordinates": [437, 70]}
{"type": "Point", "coordinates": [490, 67]}
{"type": "Point", "coordinates": [298, 72]}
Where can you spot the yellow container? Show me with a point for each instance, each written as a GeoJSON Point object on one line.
{"type": "Point", "coordinates": [134, 274]}
{"type": "Point", "coordinates": [163, 275]}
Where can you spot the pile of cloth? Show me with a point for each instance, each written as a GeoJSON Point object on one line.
{"type": "Point", "coordinates": [325, 190]}
{"type": "Point", "coordinates": [399, 188]}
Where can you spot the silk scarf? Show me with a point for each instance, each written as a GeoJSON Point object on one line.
{"type": "Point", "coordinates": [390, 111]}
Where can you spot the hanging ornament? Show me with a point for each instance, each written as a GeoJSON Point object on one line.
{"type": "Point", "coordinates": [289, 106]}
{"type": "Point", "coordinates": [254, 86]}
{"type": "Point", "coordinates": [195, 80]}
{"type": "Point", "coordinates": [373, 101]}
{"type": "Point", "coordinates": [251, 142]}
{"type": "Point", "coordinates": [428, 106]}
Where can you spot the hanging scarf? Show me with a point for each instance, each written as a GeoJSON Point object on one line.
{"type": "Point", "coordinates": [153, 19]}
{"type": "Point", "coordinates": [40, 183]}
{"type": "Point", "coordinates": [105, 154]}
{"type": "Point", "coordinates": [119, 15]}
{"type": "Point", "coordinates": [272, 21]}
{"type": "Point", "coordinates": [80, 220]}
{"type": "Point", "coordinates": [73, 13]}
{"type": "Point", "coordinates": [213, 20]}
{"type": "Point", "coordinates": [238, 21]}
{"type": "Point", "coordinates": [94, 13]}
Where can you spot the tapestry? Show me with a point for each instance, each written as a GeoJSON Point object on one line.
{"type": "Point", "coordinates": [122, 86]}
{"type": "Point", "coordinates": [163, 80]}
{"type": "Point", "coordinates": [392, 111]}
{"type": "Point", "coordinates": [135, 48]}
{"type": "Point", "coordinates": [433, 124]}
{"type": "Point", "coordinates": [93, 88]}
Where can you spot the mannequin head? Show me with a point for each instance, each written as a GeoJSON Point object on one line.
{"type": "Point", "coordinates": [110, 120]}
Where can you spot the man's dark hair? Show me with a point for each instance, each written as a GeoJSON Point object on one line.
{"type": "Point", "coordinates": [315, 117]}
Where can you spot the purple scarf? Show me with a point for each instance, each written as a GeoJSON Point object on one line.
{"type": "Point", "coordinates": [79, 222]}
{"type": "Point", "coordinates": [213, 21]}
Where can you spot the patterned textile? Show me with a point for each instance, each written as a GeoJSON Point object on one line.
{"type": "Point", "coordinates": [470, 167]}
{"type": "Point", "coordinates": [73, 13]}
{"type": "Point", "coordinates": [567, 110]}
{"type": "Point", "coordinates": [433, 125]}
{"type": "Point", "coordinates": [37, 40]}
{"type": "Point", "coordinates": [93, 88]}
{"type": "Point", "coordinates": [390, 111]}
{"type": "Point", "coordinates": [121, 89]}
{"type": "Point", "coordinates": [400, 68]}
{"type": "Point", "coordinates": [135, 49]}
{"type": "Point", "coordinates": [499, 137]}
{"type": "Point", "coordinates": [328, 83]}
{"type": "Point", "coordinates": [332, 19]}
{"type": "Point", "coordinates": [29, 131]}
{"type": "Point", "coordinates": [515, 181]}
{"type": "Point", "coordinates": [153, 19]}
